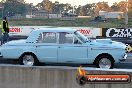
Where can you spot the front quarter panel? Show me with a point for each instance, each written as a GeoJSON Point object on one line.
{"type": "Point", "coordinates": [96, 49]}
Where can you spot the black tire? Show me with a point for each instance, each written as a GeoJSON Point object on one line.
{"type": "Point", "coordinates": [34, 58]}
{"type": "Point", "coordinates": [107, 58]}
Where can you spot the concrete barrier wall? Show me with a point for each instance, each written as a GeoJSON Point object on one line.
{"type": "Point", "coordinates": [49, 77]}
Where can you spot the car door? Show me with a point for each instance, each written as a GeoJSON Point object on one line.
{"type": "Point", "coordinates": [47, 47]}
{"type": "Point", "coordinates": [69, 51]}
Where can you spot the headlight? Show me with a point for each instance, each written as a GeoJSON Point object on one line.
{"type": "Point", "coordinates": [0, 54]}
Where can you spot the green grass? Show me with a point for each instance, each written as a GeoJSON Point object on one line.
{"type": "Point", "coordinates": [71, 23]}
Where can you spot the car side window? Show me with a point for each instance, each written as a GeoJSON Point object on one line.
{"type": "Point", "coordinates": [76, 41]}
{"type": "Point", "coordinates": [47, 37]}
{"type": "Point", "coordinates": [67, 38]}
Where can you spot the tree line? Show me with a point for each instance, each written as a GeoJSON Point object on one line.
{"type": "Point", "coordinates": [12, 7]}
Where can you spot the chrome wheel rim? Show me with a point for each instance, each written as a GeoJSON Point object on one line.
{"type": "Point", "coordinates": [28, 60]}
{"type": "Point", "coordinates": [105, 63]}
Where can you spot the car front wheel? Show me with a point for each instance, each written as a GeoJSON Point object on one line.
{"type": "Point", "coordinates": [28, 60]}
{"type": "Point", "coordinates": [105, 62]}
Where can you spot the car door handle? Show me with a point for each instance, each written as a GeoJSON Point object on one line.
{"type": "Point", "coordinates": [38, 46]}
{"type": "Point", "coordinates": [60, 47]}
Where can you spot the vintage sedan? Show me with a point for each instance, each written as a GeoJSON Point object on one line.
{"type": "Point", "coordinates": [64, 45]}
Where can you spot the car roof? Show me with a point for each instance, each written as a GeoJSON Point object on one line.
{"type": "Point", "coordinates": [70, 30]}
{"type": "Point", "coordinates": [35, 33]}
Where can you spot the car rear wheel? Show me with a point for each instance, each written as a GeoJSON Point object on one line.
{"type": "Point", "coordinates": [105, 62]}
{"type": "Point", "coordinates": [28, 60]}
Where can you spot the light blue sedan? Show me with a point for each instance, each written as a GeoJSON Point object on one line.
{"type": "Point", "coordinates": [64, 45]}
